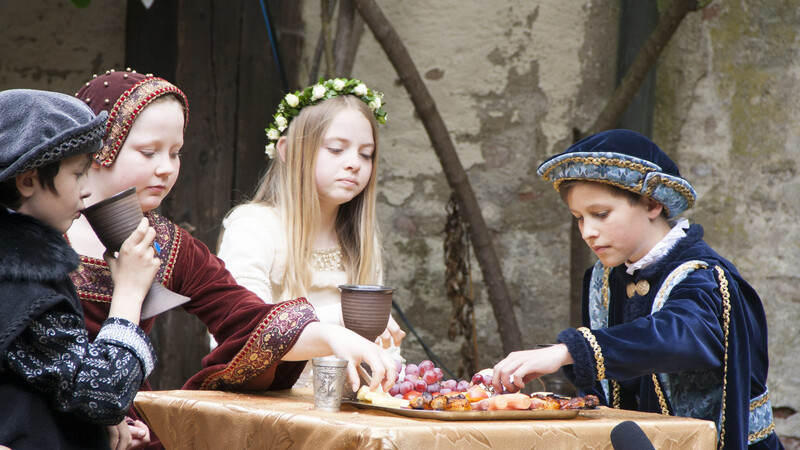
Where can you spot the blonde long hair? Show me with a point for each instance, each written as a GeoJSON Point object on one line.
{"type": "Point", "coordinates": [290, 186]}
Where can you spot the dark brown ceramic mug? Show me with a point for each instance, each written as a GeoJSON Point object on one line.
{"type": "Point", "coordinates": [366, 308]}
{"type": "Point", "coordinates": [113, 220]}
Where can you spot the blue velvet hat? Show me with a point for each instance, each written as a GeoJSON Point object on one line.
{"type": "Point", "coordinates": [627, 160]}
{"type": "Point", "coordinates": [41, 127]}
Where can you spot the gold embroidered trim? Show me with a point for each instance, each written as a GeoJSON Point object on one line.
{"type": "Point", "coordinates": [660, 297]}
{"type": "Point", "coordinates": [92, 278]}
{"type": "Point", "coordinates": [615, 402]}
{"type": "Point", "coordinates": [598, 355]}
{"type": "Point", "coordinates": [328, 260]}
{"type": "Point", "coordinates": [598, 161]}
{"type": "Point", "coordinates": [604, 289]}
{"type": "Point", "coordinates": [638, 188]}
{"type": "Point", "coordinates": [726, 324]}
{"type": "Point", "coordinates": [127, 108]}
{"type": "Point", "coordinates": [267, 344]}
{"type": "Point", "coordinates": [759, 402]}
{"type": "Point", "coordinates": [686, 193]}
{"type": "Point", "coordinates": [662, 400]}
{"type": "Point", "coordinates": [761, 434]}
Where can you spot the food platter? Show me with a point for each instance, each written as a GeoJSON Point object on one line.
{"type": "Point", "coordinates": [528, 414]}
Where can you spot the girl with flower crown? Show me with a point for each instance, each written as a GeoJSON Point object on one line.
{"type": "Point", "coordinates": [312, 224]}
{"type": "Point", "coordinates": [260, 346]}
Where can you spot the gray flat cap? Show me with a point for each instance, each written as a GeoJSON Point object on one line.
{"type": "Point", "coordinates": [40, 127]}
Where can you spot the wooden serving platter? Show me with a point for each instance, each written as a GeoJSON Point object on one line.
{"type": "Point", "coordinates": [538, 414]}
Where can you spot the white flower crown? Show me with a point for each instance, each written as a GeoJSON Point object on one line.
{"type": "Point", "coordinates": [292, 104]}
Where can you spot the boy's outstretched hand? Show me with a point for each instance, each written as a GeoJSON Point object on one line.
{"type": "Point", "coordinates": [518, 368]}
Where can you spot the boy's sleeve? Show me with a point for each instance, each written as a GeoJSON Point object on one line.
{"type": "Point", "coordinates": [686, 334]}
{"type": "Point", "coordinates": [124, 333]}
{"type": "Point", "coordinates": [96, 381]}
{"type": "Point", "coordinates": [582, 372]}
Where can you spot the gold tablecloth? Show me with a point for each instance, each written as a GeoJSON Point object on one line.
{"type": "Point", "coordinates": [288, 420]}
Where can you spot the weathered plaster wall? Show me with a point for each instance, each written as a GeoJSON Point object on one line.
{"type": "Point", "coordinates": [55, 46]}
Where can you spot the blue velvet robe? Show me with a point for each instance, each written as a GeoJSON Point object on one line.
{"type": "Point", "coordinates": [683, 342]}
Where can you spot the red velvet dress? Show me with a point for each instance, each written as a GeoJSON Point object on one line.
{"type": "Point", "coordinates": [252, 336]}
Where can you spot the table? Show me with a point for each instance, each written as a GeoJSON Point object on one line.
{"type": "Point", "coordinates": [288, 420]}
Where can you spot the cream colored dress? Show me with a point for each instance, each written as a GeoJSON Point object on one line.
{"type": "Point", "coordinates": [254, 249]}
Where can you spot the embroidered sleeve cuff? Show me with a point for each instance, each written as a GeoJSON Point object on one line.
{"type": "Point", "coordinates": [276, 334]}
{"type": "Point", "coordinates": [583, 373]}
{"type": "Point", "coordinates": [129, 335]}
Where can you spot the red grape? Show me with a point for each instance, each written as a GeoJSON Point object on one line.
{"type": "Point", "coordinates": [477, 379]}
{"type": "Point", "coordinates": [426, 365]}
{"type": "Point", "coordinates": [430, 377]}
{"type": "Point", "coordinates": [425, 376]}
{"type": "Point", "coordinates": [405, 386]}
{"type": "Point", "coordinates": [411, 377]}
{"type": "Point", "coordinates": [395, 389]}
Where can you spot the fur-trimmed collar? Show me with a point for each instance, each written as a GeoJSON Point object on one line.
{"type": "Point", "coordinates": [33, 251]}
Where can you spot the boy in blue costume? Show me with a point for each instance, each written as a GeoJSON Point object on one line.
{"type": "Point", "coordinates": [59, 390]}
{"type": "Point", "coordinates": [670, 326]}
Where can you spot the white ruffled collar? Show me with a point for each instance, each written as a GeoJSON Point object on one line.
{"type": "Point", "coordinates": [662, 248]}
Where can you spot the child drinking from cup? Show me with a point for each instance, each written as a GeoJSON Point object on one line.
{"type": "Point", "coordinates": [669, 325]}
{"type": "Point", "coordinates": [312, 224]}
{"type": "Point", "coordinates": [59, 389]}
{"type": "Point", "coordinates": [260, 346]}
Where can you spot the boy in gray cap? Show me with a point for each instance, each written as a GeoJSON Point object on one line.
{"type": "Point", "coordinates": [65, 390]}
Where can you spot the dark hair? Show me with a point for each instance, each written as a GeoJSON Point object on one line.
{"type": "Point", "coordinates": [633, 198]}
{"type": "Point", "coordinates": [9, 194]}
